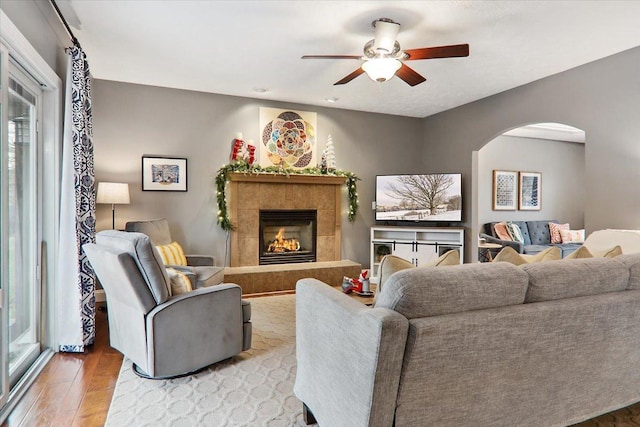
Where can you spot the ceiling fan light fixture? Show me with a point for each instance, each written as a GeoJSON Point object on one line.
{"type": "Point", "coordinates": [386, 32]}
{"type": "Point", "coordinates": [383, 58]}
{"type": "Point", "coordinates": [381, 69]}
{"type": "Point", "coordinates": [371, 51]}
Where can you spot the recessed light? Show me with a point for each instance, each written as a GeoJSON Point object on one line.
{"type": "Point", "coordinates": [260, 90]}
{"type": "Point", "coordinates": [331, 99]}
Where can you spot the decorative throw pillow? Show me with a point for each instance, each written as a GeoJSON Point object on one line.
{"type": "Point", "coordinates": [581, 252]}
{"type": "Point", "coordinates": [172, 254]}
{"type": "Point", "coordinates": [501, 231]}
{"type": "Point", "coordinates": [609, 253]}
{"type": "Point", "coordinates": [391, 264]}
{"type": "Point", "coordinates": [572, 236]}
{"type": "Point", "coordinates": [451, 257]}
{"type": "Point", "coordinates": [549, 254]}
{"type": "Point", "coordinates": [515, 232]}
{"type": "Point", "coordinates": [180, 283]}
{"type": "Point", "coordinates": [554, 230]}
{"type": "Point", "coordinates": [508, 254]}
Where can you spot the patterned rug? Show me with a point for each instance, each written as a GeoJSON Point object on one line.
{"type": "Point", "coordinates": [254, 388]}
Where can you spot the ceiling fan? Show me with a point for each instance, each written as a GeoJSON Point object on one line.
{"type": "Point", "coordinates": [383, 57]}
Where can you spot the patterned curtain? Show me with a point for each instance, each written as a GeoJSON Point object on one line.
{"type": "Point", "coordinates": [76, 280]}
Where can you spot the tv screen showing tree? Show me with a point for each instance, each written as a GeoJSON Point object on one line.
{"type": "Point", "coordinates": [423, 197]}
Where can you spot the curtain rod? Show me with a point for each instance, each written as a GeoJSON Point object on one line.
{"type": "Point", "coordinates": [66, 26]}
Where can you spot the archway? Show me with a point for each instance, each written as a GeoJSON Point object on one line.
{"type": "Point", "coordinates": [554, 150]}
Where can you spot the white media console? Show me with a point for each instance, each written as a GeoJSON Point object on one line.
{"type": "Point", "coordinates": [418, 245]}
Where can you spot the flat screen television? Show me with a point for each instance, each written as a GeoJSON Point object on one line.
{"type": "Point", "coordinates": [434, 197]}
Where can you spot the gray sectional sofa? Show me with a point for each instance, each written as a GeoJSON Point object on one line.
{"type": "Point", "coordinates": [536, 234]}
{"type": "Point", "coordinates": [547, 344]}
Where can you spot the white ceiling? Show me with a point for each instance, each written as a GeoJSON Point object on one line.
{"type": "Point", "coordinates": [234, 47]}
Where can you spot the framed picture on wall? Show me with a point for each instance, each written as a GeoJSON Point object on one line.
{"type": "Point", "coordinates": [530, 191]}
{"type": "Point", "coordinates": [161, 173]}
{"type": "Point", "coordinates": [505, 190]}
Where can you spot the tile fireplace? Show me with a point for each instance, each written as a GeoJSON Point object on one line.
{"type": "Point", "coordinates": [319, 197]}
{"type": "Point", "coordinates": [251, 194]}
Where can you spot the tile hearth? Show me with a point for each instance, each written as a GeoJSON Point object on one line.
{"type": "Point", "coordinates": [283, 277]}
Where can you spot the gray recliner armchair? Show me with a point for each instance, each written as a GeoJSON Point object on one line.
{"type": "Point", "coordinates": [200, 266]}
{"type": "Point", "coordinates": [164, 335]}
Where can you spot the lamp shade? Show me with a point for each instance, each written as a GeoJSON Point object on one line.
{"type": "Point", "coordinates": [381, 69]}
{"type": "Point", "coordinates": [113, 193]}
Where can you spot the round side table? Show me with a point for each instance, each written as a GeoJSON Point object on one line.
{"type": "Point", "coordinates": [484, 253]}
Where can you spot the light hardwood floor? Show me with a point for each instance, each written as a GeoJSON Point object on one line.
{"type": "Point", "coordinates": [75, 390]}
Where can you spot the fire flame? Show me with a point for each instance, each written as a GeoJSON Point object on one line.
{"type": "Point", "coordinates": [282, 244]}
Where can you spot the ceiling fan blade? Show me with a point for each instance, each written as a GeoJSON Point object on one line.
{"type": "Point", "coordinates": [350, 77]}
{"type": "Point", "coordinates": [409, 76]}
{"type": "Point", "coordinates": [456, 50]}
{"type": "Point", "coordinates": [332, 57]}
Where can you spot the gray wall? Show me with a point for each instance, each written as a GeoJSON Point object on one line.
{"type": "Point", "coordinates": [131, 120]}
{"type": "Point", "coordinates": [561, 165]}
{"type": "Point", "coordinates": [38, 22]}
{"type": "Point", "coordinates": [602, 98]}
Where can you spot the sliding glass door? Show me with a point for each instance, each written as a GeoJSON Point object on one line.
{"type": "Point", "coordinates": [23, 290]}
{"type": "Point", "coordinates": [4, 276]}
{"type": "Point", "coordinates": [20, 221]}
{"type": "Point", "coordinates": [30, 129]}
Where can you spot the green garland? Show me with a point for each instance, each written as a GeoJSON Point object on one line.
{"type": "Point", "coordinates": [244, 167]}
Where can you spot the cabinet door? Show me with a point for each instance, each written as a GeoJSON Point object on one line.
{"type": "Point", "coordinates": [425, 253]}
{"type": "Point", "coordinates": [405, 251]}
{"type": "Point", "coordinates": [378, 251]}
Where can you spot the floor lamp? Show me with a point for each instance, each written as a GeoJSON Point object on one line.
{"type": "Point", "coordinates": [113, 193]}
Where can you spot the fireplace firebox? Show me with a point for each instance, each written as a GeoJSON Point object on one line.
{"type": "Point", "coordinates": [287, 236]}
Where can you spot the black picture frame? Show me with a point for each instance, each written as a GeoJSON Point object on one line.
{"type": "Point", "coordinates": [164, 173]}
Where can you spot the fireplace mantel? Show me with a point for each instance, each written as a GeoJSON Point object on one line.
{"type": "Point", "coordinates": [250, 193]}
{"type": "Point", "coordinates": [287, 179]}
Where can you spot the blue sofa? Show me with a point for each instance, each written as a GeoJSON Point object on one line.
{"type": "Point", "coordinates": [536, 234]}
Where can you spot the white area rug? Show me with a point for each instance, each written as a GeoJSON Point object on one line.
{"type": "Point", "coordinates": [254, 388]}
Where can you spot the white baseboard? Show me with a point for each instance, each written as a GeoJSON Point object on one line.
{"type": "Point", "coordinates": [100, 296]}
